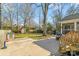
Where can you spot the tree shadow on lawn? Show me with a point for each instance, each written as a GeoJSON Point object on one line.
{"type": "Point", "coordinates": [50, 44]}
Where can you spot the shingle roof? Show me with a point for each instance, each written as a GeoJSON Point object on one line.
{"type": "Point", "coordinates": [70, 17]}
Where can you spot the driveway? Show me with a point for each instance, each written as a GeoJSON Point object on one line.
{"type": "Point", "coordinates": [51, 45]}
{"type": "Point", "coordinates": [30, 47]}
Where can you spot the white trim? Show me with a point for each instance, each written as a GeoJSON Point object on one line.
{"type": "Point", "coordinates": [75, 26]}
{"type": "Point", "coordinates": [61, 28]}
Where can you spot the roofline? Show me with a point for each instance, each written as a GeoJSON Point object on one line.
{"type": "Point", "coordinates": [76, 16]}
{"type": "Point", "coordinates": [69, 21]}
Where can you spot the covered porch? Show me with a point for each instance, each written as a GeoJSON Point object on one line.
{"type": "Point", "coordinates": [69, 25]}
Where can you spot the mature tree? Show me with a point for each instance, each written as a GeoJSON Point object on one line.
{"type": "Point", "coordinates": [39, 8]}
{"type": "Point", "coordinates": [58, 10]}
{"type": "Point", "coordinates": [40, 16]}
{"type": "Point", "coordinates": [45, 11]}
{"type": "Point", "coordinates": [27, 13]}
{"type": "Point", "coordinates": [73, 9]}
{"type": "Point", "coordinates": [9, 13]}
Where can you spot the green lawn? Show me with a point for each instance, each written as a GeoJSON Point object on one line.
{"type": "Point", "coordinates": [32, 35]}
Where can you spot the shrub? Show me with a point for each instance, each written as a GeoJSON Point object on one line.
{"type": "Point", "coordinates": [39, 31]}
{"type": "Point", "coordinates": [15, 29]}
{"type": "Point", "coordinates": [6, 27]}
{"type": "Point", "coordinates": [27, 29]}
{"type": "Point", "coordinates": [70, 38]}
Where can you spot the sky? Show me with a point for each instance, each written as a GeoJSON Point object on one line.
{"type": "Point", "coordinates": [36, 10]}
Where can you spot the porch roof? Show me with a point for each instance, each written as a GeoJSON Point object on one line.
{"type": "Point", "coordinates": [70, 19]}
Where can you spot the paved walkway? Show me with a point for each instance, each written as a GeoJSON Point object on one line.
{"type": "Point", "coordinates": [24, 47]}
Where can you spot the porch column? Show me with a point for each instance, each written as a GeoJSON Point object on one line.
{"type": "Point", "coordinates": [61, 28]}
{"type": "Point", "coordinates": [75, 26]}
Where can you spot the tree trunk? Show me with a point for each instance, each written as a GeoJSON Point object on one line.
{"type": "Point", "coordinates": [11, 21]}
{"type": "Point", "coordinates": [25, 25]}
{"type": "Point", "coordinates": [39, 19]}
{"type": "Point", "coordinates": [45, 10]}
{"type": "Point", "coordinates": [44, 26]}
{"type": "Point", "coordinates": [17, 20]}
{"type": "Point", "coordinates": [0, 16]}
{"type": "Point", "coordinates": [29, 24]}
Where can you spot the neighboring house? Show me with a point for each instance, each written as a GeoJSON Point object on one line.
{"type": "Point", "coordinates": [70, 23]}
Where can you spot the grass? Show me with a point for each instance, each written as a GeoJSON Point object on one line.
{"type": "Point", "coordinates": [32, 35]}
